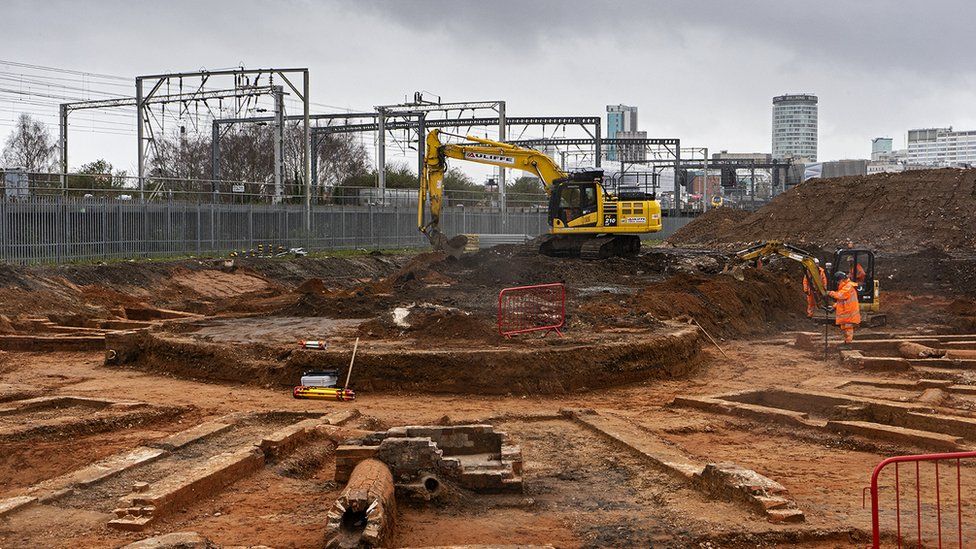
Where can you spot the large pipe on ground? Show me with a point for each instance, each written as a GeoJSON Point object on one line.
{"type": "Point", "coordinates": [364, 514]}
{"type": "Point", "coordinates": [908, 349]}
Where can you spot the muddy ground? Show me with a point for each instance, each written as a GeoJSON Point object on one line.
{"type": "Point", "coordinates": [581, 490]}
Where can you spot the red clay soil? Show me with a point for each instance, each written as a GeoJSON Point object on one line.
{"type": "Point", "coordinates": [762, 302]}
{"type": "Point", "coordinates": [196, 285]}
{"type": "Point", "coordinates": [901, 212]}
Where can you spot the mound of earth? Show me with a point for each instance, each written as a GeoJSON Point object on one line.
{"type": "Point", "coordinates": [902, 212]}
{"type": "Point", "coordinates": [749, 302]}
{"type": "Point", "coordinates": [704, 228]}
{"type": "Point", "coordinates": [197, 285]}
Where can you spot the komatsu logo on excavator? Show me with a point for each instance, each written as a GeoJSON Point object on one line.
{"type": "Point", "coordinates": [490, 157]}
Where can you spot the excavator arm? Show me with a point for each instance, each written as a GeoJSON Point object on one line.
{"type": "Point", "coordinates": [810, 263]}
{"type": "Point", "coordinates": [481, 151]}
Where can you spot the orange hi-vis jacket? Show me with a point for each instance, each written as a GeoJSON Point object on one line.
{"type": "Point", "coordinates": [846, 310]}
{"type": "Point", "coordinates": [808, 287]}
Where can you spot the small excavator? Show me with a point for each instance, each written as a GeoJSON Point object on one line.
{"type": "Point", "coordinates": [858, 263]}
{"type": "Point", "coordinates": [585, 218]}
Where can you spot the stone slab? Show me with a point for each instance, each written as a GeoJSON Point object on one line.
{"type": "Point", "coordinates": [191, 435]}
{"type": "Point", "coordinates": [12, 504]}
{"type": "Point", "coordinates": [897, 434]}
{"type": "Point", "coordinates": [645, 445]}
{"type": "Point", "coordinates": [173, 540]}
{"type": "Point", "coordinates": [742, 409]}
{"type": "Point", "coordinates": [100, 470]}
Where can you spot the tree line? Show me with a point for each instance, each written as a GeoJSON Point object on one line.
{"type": "Point", "coordinates": [183, 163]}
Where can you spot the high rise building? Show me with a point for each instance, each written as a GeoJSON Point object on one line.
{"type": "Point", "coordinates": [795, 127]}
{"type": "Point", "coordinates": [941, 147]}
{"type": "Point", "coordinates": [881, 148]}
{"type": "Point", "coordinates": [620, 119]}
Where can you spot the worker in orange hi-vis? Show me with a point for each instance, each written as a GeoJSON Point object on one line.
{"type": "Point", "coordinates": [847, 311]}
{"type": "Point", "coordinates": [856, 271]}
{"type": "Point", "coordinates": [810, 290]}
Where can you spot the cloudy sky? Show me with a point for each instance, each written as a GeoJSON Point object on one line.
{"type": "Point", "coordinates": [703, 71]}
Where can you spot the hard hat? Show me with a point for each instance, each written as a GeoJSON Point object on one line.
{"type": "Point", "coordinates": [840, 275]}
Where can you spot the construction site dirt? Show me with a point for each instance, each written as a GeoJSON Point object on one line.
{"type": "Point", "coordinates": [687, 402]}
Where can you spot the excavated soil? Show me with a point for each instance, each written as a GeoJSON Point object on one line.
{"type": "Point", "coordinates": [537, 365]}
{"type": "Point", "coordinates": [704, 228]}
{"type": "Point", "coordinates": [746, 303]}
{"type": "Point", "coordinates": [903, 212]}
{"type": "Point", "coordinates": [99, 291]}
{"type": "Point", "coordinates": [457, 299]}
{"type": "Point", "coordinates": [431, 325]}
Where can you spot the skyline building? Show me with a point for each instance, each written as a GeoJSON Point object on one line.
{"type": "Point", "coordinates": [794, 132]}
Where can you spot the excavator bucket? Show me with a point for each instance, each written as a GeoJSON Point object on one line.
{"type": "Point", "coordinates": [453, 247]}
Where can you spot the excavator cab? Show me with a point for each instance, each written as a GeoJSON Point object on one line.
{"type": "Point", "coordinates": [858, 263]}
{"type": "Point", "coordinates": [575, 199]}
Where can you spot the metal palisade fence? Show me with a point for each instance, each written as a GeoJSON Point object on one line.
{"type": "Point", "coordinates": [73, 225]}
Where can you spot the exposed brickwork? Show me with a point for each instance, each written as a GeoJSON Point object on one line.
{"type": "Point", "coordinates": [732, 482]}
{"type": "Point", "coordinates": [182, 488]}
{"type": "Point", "coordinates": [364, 514]}
{"type": "Point", "coordinates": [722, 480]}
{"type": "Point", "coordinates": [475, 457]}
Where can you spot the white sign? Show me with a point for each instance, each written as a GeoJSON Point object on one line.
{"type": "Point", "coordinates": [635, 220]}
{"type": "Point", "coordinates": [490, 158]}
{"type": "Point", "coordinates": [237, 188]}
{"type": "Point", "coordinates": [813, 171]}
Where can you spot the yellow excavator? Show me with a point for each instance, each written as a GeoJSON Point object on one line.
{"type": "Point", "coordinates": [586, 219]}
{"type": "Point", "coordinates": [858, 263]}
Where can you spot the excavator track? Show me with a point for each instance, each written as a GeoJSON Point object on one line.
{"type": "Point", "coordinates": [589, 247]}
{"type": "Point", "coordinates": [606, 246]}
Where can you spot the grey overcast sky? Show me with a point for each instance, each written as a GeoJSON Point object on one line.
{"type": "Point", "coordinates": [704, 71]}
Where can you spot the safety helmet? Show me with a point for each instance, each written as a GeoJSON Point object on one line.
{"type": "Point", "coordinates": [840, 275]}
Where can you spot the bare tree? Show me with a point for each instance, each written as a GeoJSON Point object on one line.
{"type": "Point", "coordinates": [30, 146]}
{"type": "Point", "coordinates": [247, 154]}
{"type": "Point", "coordinates": [181, 163]}
{"type": "Point", "coordinates": [341, 157]}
